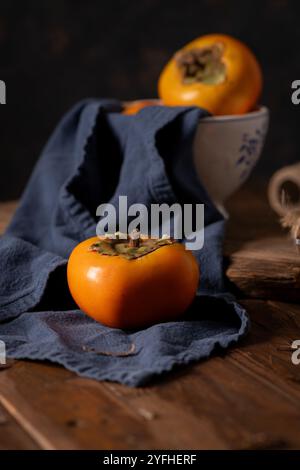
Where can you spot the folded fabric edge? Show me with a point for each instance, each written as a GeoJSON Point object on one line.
{"type": "Point", "coordinates": [28, 301]}
{"type": "Point", "coordinates": [130, 378]}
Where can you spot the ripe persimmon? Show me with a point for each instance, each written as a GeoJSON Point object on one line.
{"type": "Point", "coordinates": [132, 283]}
{"type": "Point", "coordinates": [216, 72]}
{"type": "Point", "coordinates": [133, 107]}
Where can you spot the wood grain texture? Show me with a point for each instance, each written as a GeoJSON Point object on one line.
{"type": "Point", "coordinates": [12, 436]}
{"type": "Point", "coordinates": [263, 261]}
{"type": "Point", "coordinates": [267, 268]}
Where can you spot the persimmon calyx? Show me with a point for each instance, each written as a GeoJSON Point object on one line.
{"type": "Point", "coordinates": [203, 64]}
{"type": "Point", "coordinates": [133, 246]}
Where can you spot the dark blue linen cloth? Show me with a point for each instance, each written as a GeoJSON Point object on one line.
{"type": "Point", "coordinates": [94, 155]}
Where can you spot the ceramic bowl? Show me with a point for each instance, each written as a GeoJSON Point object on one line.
{"type": "Point", "coordinates": [226, 149]}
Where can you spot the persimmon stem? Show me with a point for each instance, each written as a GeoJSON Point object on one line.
{"type": "Point", "coordinates": [134, 238]}
{"type": "Point", "coordinates": [203, 65]}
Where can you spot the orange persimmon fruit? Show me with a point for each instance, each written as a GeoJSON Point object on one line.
{"type": "Point", "coordinates": [131, 286]}
{"type": "Point", "coordinates": [216, 72]}
{"type": "Point", "coordinates": [133, 107]}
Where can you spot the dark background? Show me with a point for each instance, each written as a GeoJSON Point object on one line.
{"type": "Point", "coordinates": [55, 52]}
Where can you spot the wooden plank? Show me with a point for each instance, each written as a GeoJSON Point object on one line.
{"type": "Point", "coordinates": [248, 399]}
{"type": "Point", "coordinates": [262, 260]}
{"type": "Point", "coordinates": [12, 436]}
{"type": "Point", "coordinates": [267, 268]}
{"type": "Point", "coordinates": [64, 415]}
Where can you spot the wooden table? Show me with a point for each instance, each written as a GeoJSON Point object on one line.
{"type": "Point", "coordinates": [248, 398]}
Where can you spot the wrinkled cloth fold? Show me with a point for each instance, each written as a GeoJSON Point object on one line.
{"type": "Point", "coordinates": [95, 155]}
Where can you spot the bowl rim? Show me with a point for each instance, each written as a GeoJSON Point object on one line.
{"type": "Point", "coordinates": [260, 112]}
